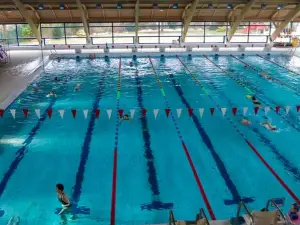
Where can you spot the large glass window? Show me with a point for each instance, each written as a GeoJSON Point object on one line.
{"type": "Point", "coordinates": [215, 32]}
{"type": "Point", "coordinates": [75, 33]}
{"type": "Point", "coordinates": [53, 33]}
{"type": "Point", "coordinates": [285, 34]}
{"type": "Point", "coordinates": [148, 32]}
{"type": "Point", "coordinates": [241, 33]}
{"type": "Point", "coordinates": [101, 33]}
{"type": "Point", "coordinates": [195, 32]}
{"type": "Point", "coordinates": [9, 31]}
{"type": "Point", "coordinates": [26, 35]}
{"type": "Point", "coordinates": [170, 32]}
{"type": "Point", "coordinates": [124, 33]}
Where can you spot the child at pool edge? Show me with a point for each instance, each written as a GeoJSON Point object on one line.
{"type": "Point", "coordinates": [65, 203]}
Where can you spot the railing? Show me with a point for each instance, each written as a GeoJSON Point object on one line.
{"type": "Point", "coordinates": [172, 220]}
{"type": "Point", "coordinates": [272, 202]}
{"type": "Point", "coordinates": [242, 204]}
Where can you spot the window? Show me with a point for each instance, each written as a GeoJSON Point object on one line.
{"type": "Point", "coordinates": [124, 33]}
{"type": "Point", "coordinates": [75, 33]}
{"type": "Point", "coordinates": [170, 32]}
{"type": "Point", "coordinates": [53, 33]}
{"type": "Point", "coordinates": [9, 31]}
{"type": "Point", "coordinates": [285, 34]}
{"type": "Point", "coordinates": [26, 35]}
{"type": "Point", "coordinates": [195, 32]}
{"type": "Point", "coordinates": [215, 32]}
{"type": "Point", "coordinates": [148, 33]}
{"type": "Point", "coordinates": [101, 33]}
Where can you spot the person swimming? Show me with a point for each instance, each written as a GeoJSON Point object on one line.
{"type": "Point", "coordinates": [254, 101]}
{"type": "Point", "coordinates": [268, 126]}
{"type": "Point", "coordinates": [51, 94]}
{"type": "Point", "coordinates": [65, 203]}
{"type": "Point", "coordinates": [125, 117]}
{"type": "Point", "coordinates": [131, 63]}
{"type": "Point", "coordinates": [77, 87]}
{"type": "Point", "coordinates": [35, 87]}
{"type": "Point", "coordinates": [245, 121]}
{"type": "Point", "coordinates": [56, 79]}
{"type": "Point", "coordinates": [265, 75]}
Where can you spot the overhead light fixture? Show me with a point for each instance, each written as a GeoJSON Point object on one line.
{"type": "Point", "coordinates": [279, 6]}
{"type": "Point", "coordinates": [119, 6]}
{"type": "Point", "coordinates": [210, 6]}
{"type": "Point", "coordinates": [175, 6]}
{"type": "Point", "coordinates": [98, 6]}
{"type": "Point", "coordinates": [155, 6]}
{"type": "Point", "coordinates": [229, 6]}
{"type": "Point", "coordinates": [40, 6]}
{"type": "Point", "coordinates": [61, 6]}
{"type": "Point", "coordinates": [263, 6]}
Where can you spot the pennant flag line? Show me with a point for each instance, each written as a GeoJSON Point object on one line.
{"type": "Point", "coordinates": [74, 113]}
{"type": "Point", "coordinates": [287, 109]}
{"type": "Point", "coordinates": [132, 111]}
{"type": "Point", "coordinates": [144, 111]}
{"type": "Point", "coordinates": [201, 111]}
{"type": "Point", "coordinates": [245, 110]}
{"type": "Point", "coordinates": [234, 110]}
{"type": "Point", "coordinates": [155, 111]}
{"type": "Point", "coordinates": [190, 111]}
{"type": "Point", "coordinates": [97, 112]}
{"type": "Point", "coordinates": [212, 110]}
{"type": "Point", "coordinates": [178, 112]}
{"type": "Point", "coordinates": [49, 112]}
{"type": "Point", "coordinates": [109, 111]}
{"type": "Point", "coordinates": [61, 113]}
{"type": "Point", "coordinates": [38, 113]}
{"type": "Point", "coordinates": [85, 113]}
{"type": "Point", "coordinates": [223, 110]}
{"type": "Point", "coordinates": [167, 112]}
{"type": "Point", "coordinates": [1, 113]}
{"type": "Point", "coordinates": [25, 111]}
{"type": "Point", "coordinates": [13, 113]}
{"type": "Point", "coordinates": [267, 109]}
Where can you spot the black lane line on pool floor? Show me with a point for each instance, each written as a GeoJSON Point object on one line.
{"type": "Point", "coordinates": [20, 154]}
{"type": "Point", "coordinates": [236, 197]}
{"type": "Point", "coordinates": [289, 118]}
{"type": "Point", "coordinates": [156, 204]}
{"type": "Point", "coordinates": [289, 167]}
{"type": "Point", "coordinates": [85, 151]}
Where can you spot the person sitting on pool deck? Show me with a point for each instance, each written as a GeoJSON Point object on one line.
{"type": "Point", "coordinates": [65, 203]}
{"type": "Point", "coordinates": [268, 126]}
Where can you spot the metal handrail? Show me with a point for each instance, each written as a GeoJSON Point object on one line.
{"type": "Point", "coordinates": [242, 204]}
{"type": "Point", "coordinates": [271, 201]}
{"type": "Point", "coordinates": [203, 215]}
{"type": "Point", "coordinates": [172, 220]}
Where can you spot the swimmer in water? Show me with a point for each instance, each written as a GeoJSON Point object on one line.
{"type": "Point", "coordinates": [125, 117]}
{"type": "Point", "coordinates": [51, 94]}
{"type": "Point", "coordinates": [264, 75]}
{"type": "Point", "coordinates": [35, 87]}
{"type": "Point", "coordinates": [246, 67]}
{"type": "Point", "coordinates": [65, 203]}
{"type": "Point", "coordinates": [255, 102]}
{"type": "Point", "coordinates": [77, 87]}
{"type": "Point", "coordinates": [245, 121]}
{"type": "Point", "coordinates": [15, 220]}
{"type": "Point", "coordinates": [56, 79]}
{"type": "Point", "coordinates": [131, 64]}
{"type": "Point", "coordinates": [268, 126]}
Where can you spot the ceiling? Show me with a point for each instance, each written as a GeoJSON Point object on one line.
{"type": "Point", "coordinates": [108, 11]}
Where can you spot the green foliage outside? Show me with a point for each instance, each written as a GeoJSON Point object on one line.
{"type": "Point", "coordinates": [221, 29]}
{"type": "Point", "coordinates": [25, 31]}
{"type": "Point", "coordinates": [57, 32]}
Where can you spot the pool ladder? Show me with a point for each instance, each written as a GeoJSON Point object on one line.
{"type": "Point", "coordinates": [248, 218]}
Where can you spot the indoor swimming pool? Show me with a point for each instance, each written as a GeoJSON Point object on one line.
{"type": "Point", "coordinates": [184, 147]}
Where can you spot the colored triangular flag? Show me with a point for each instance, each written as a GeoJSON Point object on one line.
{"type": "Point", "coordinates": [13, 113]}
{"type": "Point", "coordinates": [85, 113]}
{"type": "Point", "coordinates": [190, 111]}
{"type": "Point", "coordinates": [201, 111]}
{"type": "Point", "coordinates": [1, 113]}
{"type": "Point", "coordinates": [109, 111]}
{"type": "Point", "coordinates": [132, 111]}
{"type": "Point", "coordinates": [168, 112]}
{"type": "Point", "coordinates": [74, 111]}
{"type": "Point", "coordinates": [298, 108]}
{"type": "Point", "coordinates": [121, 112]}
{"type": "Point", "coordinates": [287, 109]}
{"type": "Point", "coordinates": [49, 111]}
{"type": "Point", "coordinates": [61, 113]}
{"type": "Point", "coordinates": [178, 112]}
{"type": "Point", "coordinates": [245, 110]}
{"type": "Point", "coordinates": [234, 110]}
{"type": "Point", "coordinates": [38, 113]}
{"type": "Point", "coordinates": [256, 110]}
{"type": "Point", "coordinates": [144, 111]}
{"type": "Point", "coordinates": [155, 111]}
{"type": "Point", "coordinates": [267, 109]}
{"type": "Point", "coordinates": [25, 111]}
{"type": "Point", "coordinates": [97, 112]}
{"type": "Point", "coordinates": [277, 109]}
{"type": "Point", "coordinates": [223, 110]}
{"type": "Point", "coordinates": [212, 110]}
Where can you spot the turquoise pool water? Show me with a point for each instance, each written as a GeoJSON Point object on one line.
{"type": "Point", "coordinates": [134, 172]}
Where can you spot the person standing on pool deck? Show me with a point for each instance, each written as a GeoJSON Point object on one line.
{"type": "Point", "coordinates": [65, 203]}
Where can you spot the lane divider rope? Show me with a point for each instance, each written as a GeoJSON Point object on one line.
{"type": "Point", "coordinates": [202, 191]}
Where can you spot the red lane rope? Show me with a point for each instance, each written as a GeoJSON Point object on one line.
{"type": "Point", "coordinates": [284, 185]}
{"type": "Point", "coordinates": [277, 64]}
{"type": "Point", "coordinates": [208, 206]}
{"type": "Point", "coordinates": [114, 190]}
{"type": "Point", "coordinates": [200, 186]}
